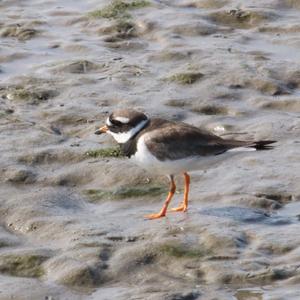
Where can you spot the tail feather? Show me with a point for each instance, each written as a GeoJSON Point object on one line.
{"type": "Point", "coordinates": [244, 146]}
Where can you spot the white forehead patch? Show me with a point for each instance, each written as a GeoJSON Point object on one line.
{"type": "Point", "coordinates": [122, 120]}
{"type": "Point", "coordinates": [108, 122]}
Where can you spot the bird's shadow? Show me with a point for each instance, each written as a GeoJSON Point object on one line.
{"type": "Point", "coordinates": [246, 215]}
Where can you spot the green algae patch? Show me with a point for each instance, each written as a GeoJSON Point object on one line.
{"type": "Point", "coordinates": [118, 9]}
{"type": "Point", "coordinates": [104, 153]}
{"type": "Point", "coordinates": [19, 32]}
{"type": "Point", "coordinates": [3, 114]}
{"type": "Point", "coordinates": [124, 28]}
{"type": "Point", "coordinates": [120, 30]}
{"type": "Point", "coordinates": [27, 265]}
{"type": "Point", "coordinates": [30, 95]}
{"type": "Point", "coordinates": [238, 18]}
{"type": "Point", "coordinates": [77, 67]}
{"type": "Point", "coordinates": [211, 110]}
{"type": "Point", "coordinates": [181, 251]}
{"type": "Point", "coordinates": [178, 103]}
{"type": "Point", "coordinates": [49, 156]}
{"type": "Point", "coordinates": [186, 78]}
{"type": "Point", "coordinates": [125, 192]}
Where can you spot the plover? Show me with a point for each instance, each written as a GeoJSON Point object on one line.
{"type": "Point", "coordinates": [171, 148]}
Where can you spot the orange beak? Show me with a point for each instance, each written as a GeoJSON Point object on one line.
{"type": "Point", "coordinates": [101, 130]}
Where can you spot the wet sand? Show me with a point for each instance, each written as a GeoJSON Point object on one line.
{"type": "Point", "coordinates": [71, 208]}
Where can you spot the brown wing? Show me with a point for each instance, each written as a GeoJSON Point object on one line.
{"type": "Point", "coordinates": [170, 140]}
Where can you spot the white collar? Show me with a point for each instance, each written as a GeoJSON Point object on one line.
{"type": "Point", "coordinates": [123, 137]}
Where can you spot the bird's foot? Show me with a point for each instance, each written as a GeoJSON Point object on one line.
{"type": "Point", "coordinates": [179, 208]}
{"type": "Point", "coordinates": [155, 216]}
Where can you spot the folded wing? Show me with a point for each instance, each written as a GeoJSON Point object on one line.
{"type": "Point", "coordinates": [172, 141]}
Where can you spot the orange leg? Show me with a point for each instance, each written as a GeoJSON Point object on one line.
{"type": "Point", "coordinates": [184, 205]}
{"type": "Point", "coordinates": [163, 211]}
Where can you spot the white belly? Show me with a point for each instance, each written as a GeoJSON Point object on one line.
{"type": "Point", "coordinates": [146, 160]}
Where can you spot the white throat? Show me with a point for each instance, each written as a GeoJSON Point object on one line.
{"type": "Point", "coordinates": [123, 137]}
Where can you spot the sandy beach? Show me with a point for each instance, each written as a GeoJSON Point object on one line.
{"type": "Point", "coordinates": [72, 207]}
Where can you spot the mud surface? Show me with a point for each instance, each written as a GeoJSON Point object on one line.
{"type": "Point", "coordinates": [71, 207]}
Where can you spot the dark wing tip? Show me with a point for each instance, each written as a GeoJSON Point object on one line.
{"type": "Point", "coordinates": [264, 145]}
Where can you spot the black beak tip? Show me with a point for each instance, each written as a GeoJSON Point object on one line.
{"type": "Point", "coordinates": [98, 131]}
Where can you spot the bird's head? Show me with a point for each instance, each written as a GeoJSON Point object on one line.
{"type": "Point", "coordinates": [124, 124]}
